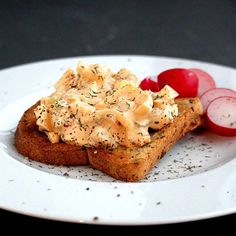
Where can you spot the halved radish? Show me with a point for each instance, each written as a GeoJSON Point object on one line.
{"type": "Point", "coordinates": [184, 81]}
{"type": "Point", "coordinates": [211, 94]}
{"type": "Point", "coordinates": [221, 116]}
{"type": "Point", "coordinates": [205, 83]}
{"type": "Point", "coordinates": [149, 84]}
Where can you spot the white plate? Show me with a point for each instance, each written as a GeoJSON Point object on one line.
{"type": "Point", "coordinates": [195, 180]}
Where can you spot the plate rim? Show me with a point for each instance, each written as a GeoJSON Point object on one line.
{"type": "Point", "coordinates": [116, 55]}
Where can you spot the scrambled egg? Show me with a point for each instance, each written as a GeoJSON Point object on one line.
{"type": "Point", "coordinates": [96, 107]}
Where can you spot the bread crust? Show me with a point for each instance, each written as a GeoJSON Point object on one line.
{"type": "Point", "coordinates": [132, 164]}
{"type": "Point", "coordinates": [35, 145]}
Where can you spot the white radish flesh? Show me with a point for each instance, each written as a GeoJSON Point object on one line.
{"type": "Point", "coordinates": [221, 116]}
{"type": "Point", "coordinates": [214, 93]}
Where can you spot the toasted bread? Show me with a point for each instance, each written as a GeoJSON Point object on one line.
{"type": "Point", "coordinates": [127, 164]}
{"type": "Point", "coordinates": [132, 164]}
{"type": "Point", "coordinates": [35, 145]}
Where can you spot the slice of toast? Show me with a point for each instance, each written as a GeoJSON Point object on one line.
{"type": "Point", "coordinates": [127, 164]}
{"type": "Point", "coordinates": [35, 145]}
{"type": "Point", "coordinates": [132, 164]}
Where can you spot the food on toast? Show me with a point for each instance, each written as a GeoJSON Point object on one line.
{"type": "Point", "coordinates": [96, 107]}
{"type": "Point", "coordinates": [103, 118]}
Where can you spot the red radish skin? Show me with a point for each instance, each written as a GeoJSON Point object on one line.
{"type": "Point", "coordinates": [214, 93]}
{"type": "Point", "coordinates": [221, 116]}
{"type": "Point", "coordinates": [183, 81]}
{"type": "Point", "coordinates": [205, 82]}
{"type": "Point", "coordinates": [149, 84]}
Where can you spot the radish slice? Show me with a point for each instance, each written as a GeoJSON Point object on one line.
{"type": "Point", "coordinates": [149, 84]}
{"type": "Point", "coordinates": [184, 81]}
{"type": "Point", "coordinates": [205, 83]}
{"type": "Point", "coordinates": [211, 94]}
{"type": "Point", "coordinates": [221, 116]}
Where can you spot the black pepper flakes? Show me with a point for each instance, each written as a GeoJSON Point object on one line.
{"type": "Point", "coordinates": [95, 218]}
